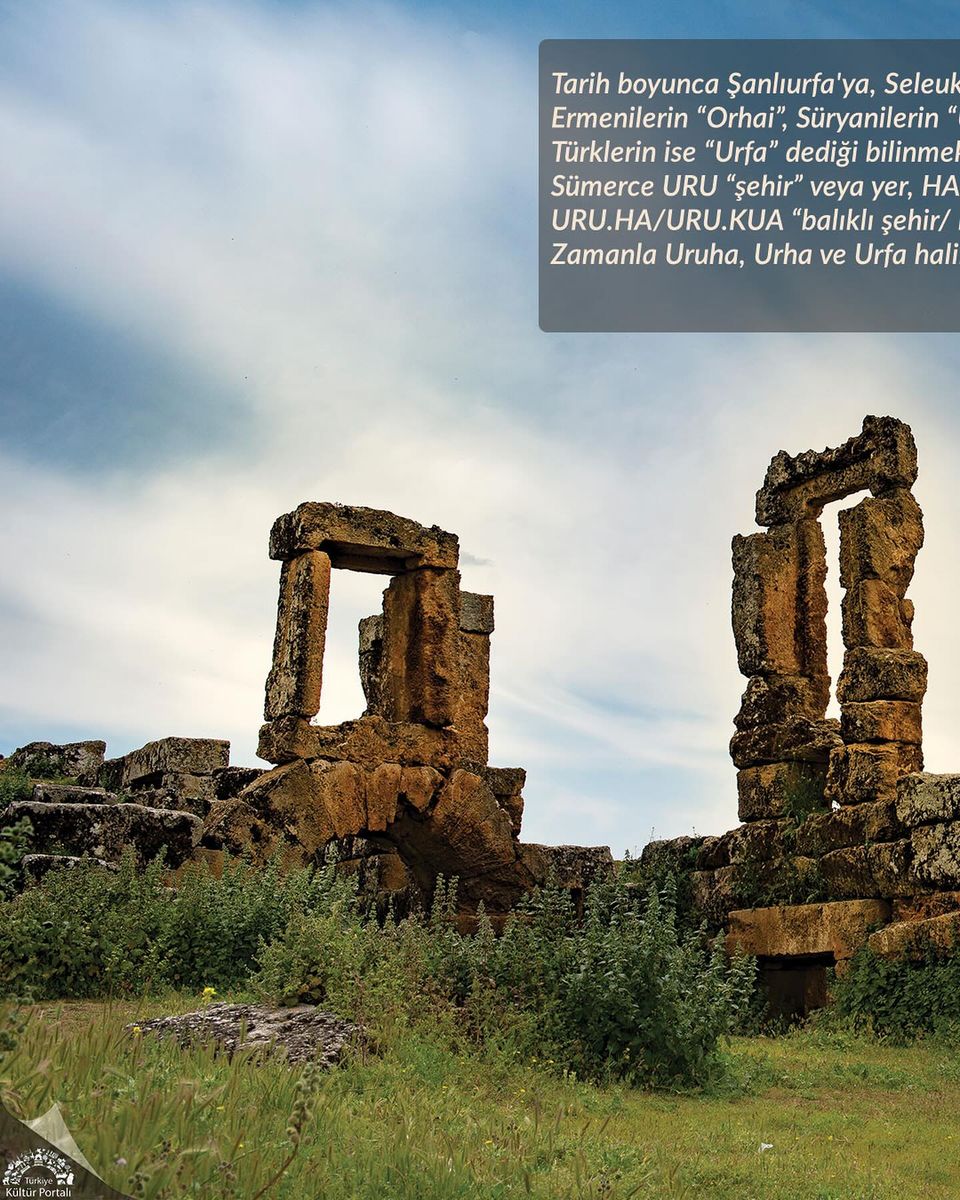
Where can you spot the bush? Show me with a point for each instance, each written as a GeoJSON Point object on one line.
{"type": "Point", "coordinates": [899, 999]}
{"type": "Point", "coordinates": [624, 993]}
{"type": "Point", "coordinates": [86, 932]}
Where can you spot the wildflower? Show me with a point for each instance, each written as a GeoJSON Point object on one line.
{"type": "Point", "coordinates": [137, 1030]}
{"type": "Point", "coordinates": [764, 1146]}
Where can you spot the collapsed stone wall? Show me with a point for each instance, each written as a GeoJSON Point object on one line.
{"type": "Point", "coordinates": [832, 812]}
{"type": "Point", "coordinates": [405, 792]}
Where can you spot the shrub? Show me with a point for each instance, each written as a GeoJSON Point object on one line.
{"type": "Point", "coordinates": [625, 992]}
{"type": "Point", "coordinates": [899, 999]}
{"type": "Point", "coordinates": [14, 843]}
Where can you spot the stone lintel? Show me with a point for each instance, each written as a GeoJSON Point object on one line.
{"type": "Point", "coordinates": [362, 539]}
{"type": "Point", "coordinates": [883, 456]}
{"type": "Point", "coordinates": [839, 928]}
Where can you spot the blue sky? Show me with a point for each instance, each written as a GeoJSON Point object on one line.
{"type": "Point", "coordinates": [255, 254]}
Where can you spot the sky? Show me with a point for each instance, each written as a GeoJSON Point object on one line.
{"type": "Point", "coordinates": [254, 254]}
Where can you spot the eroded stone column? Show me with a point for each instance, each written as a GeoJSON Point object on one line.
{"type": "Point", "coordinates": [421, 630]}
{"type": "Point", "coordinates": [295, 678]}
{"type": "Point", "coordinates": [782, 743]}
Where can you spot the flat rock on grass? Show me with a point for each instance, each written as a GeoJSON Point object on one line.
{"type": "Point", "coordinates": [303, 1033]}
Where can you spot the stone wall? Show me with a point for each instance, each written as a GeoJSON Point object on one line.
{"type": "Point", "coordinates": [833, 812]}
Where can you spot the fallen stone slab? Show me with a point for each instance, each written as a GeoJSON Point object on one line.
{"type": "Point", "coordinates": [302, 1034]}
{"type": "Point", "coordinates": [73, 760]}
{"type": "Point", "coordinates": [37, 866]}
{"type": "Point", "coordinates": [67, 793]}
{"type": "Point", "coordinates": [105, 830]}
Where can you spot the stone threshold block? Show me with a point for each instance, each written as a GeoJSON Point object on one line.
{"type": "Point", "coordinates": [838, 928]}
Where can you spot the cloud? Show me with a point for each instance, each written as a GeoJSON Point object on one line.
{"type": "Point", "coordinates": [326, 218]}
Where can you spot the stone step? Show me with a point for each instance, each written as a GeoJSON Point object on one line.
{"type": "Point", "coordinates": [104, 830]}
{"type": "Point", "coordinates": [68, 793]}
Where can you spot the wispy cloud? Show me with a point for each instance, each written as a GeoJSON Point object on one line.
{"type": "Point", "coordinates": [326, 219]}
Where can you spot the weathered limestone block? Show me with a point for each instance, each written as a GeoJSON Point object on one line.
{"type": "Point", "coordinates": [862, 773]}
{"type": "Point", "coordinates": [776, 789]}
{"type": "Point", "coordinates": [874, 614]}
{"type": "Point", "coordinates": [881, 721]}
{"type": "Point", "coordinates": [936, 854]}
{"type": "Point", "coordinates": [368, 741]}
{"type": "Point", "coordinates": [779, 601]}
{"type": "Point", "coordinates": [760, 841]}
{"type": "Point", "coordinates": [188, 756]}
{"type": "Point", "coordinates": [574, 867]}
{"type": "Point", "coordinates": [80, 761]}
{"type": "Point", "coordinates": [674, 855]}
{"type": "Point", "coordinates": [883, 869]}
{"type": "Point", "coordinates": [294, 799]}
{"type": "Point", "coordinates": [421, 647]}
{"type": "Point", "coordinates": [476, 613]}
{"type": "Point", "coordinates": [839, 928]}
{"type": "Point", "coordinates": [468, 833]}
{"type": "Point", "coordinates": [931, 904]}
{"type": "Point", "coordinates": [924, 799]}
{"type": "Point", "coordinates": [871, 673]}
{"type": "Point", "coordinates": [68, 793]}
{"type": "Point", "coordinates": [770, 700]}
{"type": "Point", "coordinates": [881, 458]}
{"type": "Point", "coordinates": [419, 787]}
{"type": "Point", "coordinates": [295, 678]}
{"type": "Point", "coordinates": [362, 539]}
{"type": "Point", "coordinates": [506, 783]}
{"type": "Point", "coordinates": [880, 539]}
{"type": "Point", "coordinates": [796, 740]}
{"type": "Point", "coordinates": [234, 826]}
{"type": "Point", "coordinates": [230, 781]}
{"type": "Point", "coordinates": [714, 852]}
{"type": "Point", "coordinates": [382, 787]}
{"type": "Point", "coordinates": [914, 939]}
{"type": "Point", "coordinates": [36, 867]}
{"type": "Point", "coordinates": [104, 830]}
{"type": "Point", "coordinates": [853, 825]}
{"type": "Point", "coordinates": [746, 883]}
{"type": "Point", "coordinates": [371, 661]}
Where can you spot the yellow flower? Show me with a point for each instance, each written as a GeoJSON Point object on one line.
{"type": "Point", "coordinates": [209, 991]}
{"type": "Point", "coordinates": [137, 1029]}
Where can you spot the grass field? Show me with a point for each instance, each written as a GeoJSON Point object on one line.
{"type": "Point", "coordinates": [842, 1117]}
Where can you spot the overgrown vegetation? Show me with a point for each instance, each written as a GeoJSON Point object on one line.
{"type": "Point", "coordinates": [623, 993]}
{"type": "Point", "coordinates": [15, 835]}
{"type": "Point", "coordinates": [900, 999]}
{"type": "Point", "coordinates": [809, 1116]}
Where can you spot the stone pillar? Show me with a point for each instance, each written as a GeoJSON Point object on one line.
{"type": "Point", "coordinates": [476, 625]}
{"type": "Point", "coordinates": [421, 630]}
{"type": "Point", "coordinates": [884, 679]}
{"type": "Point", "coordinates": [782, 744]}
{"type": "Point", "coordinates": [294, 682]}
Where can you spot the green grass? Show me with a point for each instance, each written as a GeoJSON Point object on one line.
{"type": "Point", "coordinates": [846, 1118]}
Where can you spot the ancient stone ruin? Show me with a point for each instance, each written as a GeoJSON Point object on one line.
{"type": "Point", "coordinates": [404, 793]}
{"type": "Point", "coordinates": [836, 814]}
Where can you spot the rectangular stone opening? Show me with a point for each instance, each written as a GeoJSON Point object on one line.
{"type": "Point", "coordinates": [830, 523]}
{"type": "Point", "coordinates": [795, 986]}
{"type": "Point", "coordinates": [353, 596]}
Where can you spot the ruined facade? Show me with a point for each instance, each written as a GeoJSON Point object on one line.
{"type": "Point", "coordinates": [409, 778]}
{"type": "Point", "coordinates": [842, 837]}
{"type": "Point", "coordinates": [404, 793]}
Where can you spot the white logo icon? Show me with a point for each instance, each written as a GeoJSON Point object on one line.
{"type": "Point", "coordinates": [38, 1175]}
